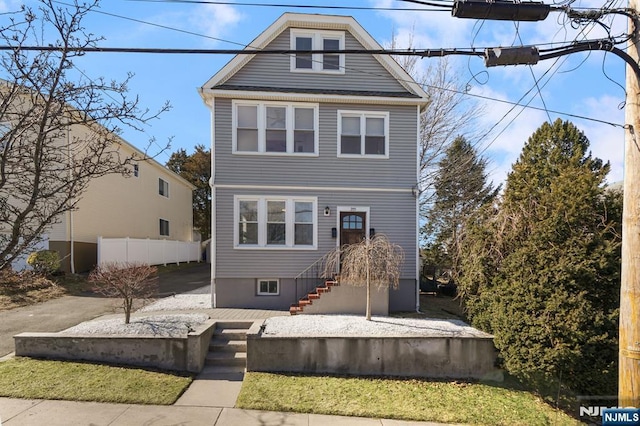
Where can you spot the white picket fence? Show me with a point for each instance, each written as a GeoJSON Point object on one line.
{"type": "Point", "coordinates": [152, 252]}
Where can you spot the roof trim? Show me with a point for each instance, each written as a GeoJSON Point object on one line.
{"type": "Point", "coordinates": [284, 96]}
{"type": "Point", "coordinates": [314, 21]}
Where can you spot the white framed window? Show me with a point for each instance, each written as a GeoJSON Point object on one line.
{"type": "Point", "coordinates": [275, 222]}
{"type": "Point", "coordinates": [164, 228]}
{"type": "Point", "coordinates": [275, 128]}
{"type": "Point", "coordinates": [332, 63]}
{"type": "Point", "coordinates": [268, 287]}
{"type": "Point", "coordinates": [363, 134]}
{"type": "Point", "coordinates": [163, 187]}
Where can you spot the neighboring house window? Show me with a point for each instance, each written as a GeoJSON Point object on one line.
{"type": "Point", "coordinates": [136, 171]}
{"type": "Point", "coordinates": [275, 128]}
{"type": "Point", "coordinates": [4, 129]}
{"type": "Point", "coordinates": [268, 287]}
{"type": "Point", "coordinates": [163, 187]}
{"type": "Point", "coordinates": [275, 222]}
{"type": "Point", "coordinates": [363, 134]}
{"type": "Point", "coordinates": [317, 62]}
{"type": "Point", "coordinates": [164, 228]}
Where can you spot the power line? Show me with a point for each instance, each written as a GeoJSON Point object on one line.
{"type": "Point", "coordinates": [443, 6]}
{"type": "Point", "coordinates": [419, 52]}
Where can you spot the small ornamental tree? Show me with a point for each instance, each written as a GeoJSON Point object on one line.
{"type": "Point", "coordinates": [374, 261]}
{"type": "Point", "coordinates": [126, 280]}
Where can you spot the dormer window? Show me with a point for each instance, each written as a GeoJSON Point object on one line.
{"type": "Point", "coordinates": [306, 40]}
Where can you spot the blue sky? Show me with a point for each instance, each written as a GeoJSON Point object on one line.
{"type": "Point", "coordinates": [590, 85]}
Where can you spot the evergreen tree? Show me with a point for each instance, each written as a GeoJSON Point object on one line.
{"type": "Point", "coordinates": [460, 189]}
{"type": "Point", "coordinates": [541, 270]}
{"type": "Point", "coordinates": [196, 168]}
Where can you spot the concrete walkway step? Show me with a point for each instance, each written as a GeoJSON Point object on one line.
{"type": "Point", "coordinates": [230, 334]}
{"type": "Point", "coordinates": [223, 345]}
{"type": "Point", "coordinates": [226, 359]}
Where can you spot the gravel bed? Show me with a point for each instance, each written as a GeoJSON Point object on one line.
{"type": "Point", "coordinates": [350, 325]}
{"type": "Point", "coordinates": [180, 302]}
{"type": "Point", "coordinates": [176, 325]}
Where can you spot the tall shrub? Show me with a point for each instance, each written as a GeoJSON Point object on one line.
{"type": "Point", "coordinates": [542, 270]}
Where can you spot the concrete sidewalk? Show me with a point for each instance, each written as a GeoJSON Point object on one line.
{"type": "Point", "coordinates": [14, 412]}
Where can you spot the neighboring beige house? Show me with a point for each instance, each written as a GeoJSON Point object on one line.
{"type": "Point", "coordinates": [153, 203]}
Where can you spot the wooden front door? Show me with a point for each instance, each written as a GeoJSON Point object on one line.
{"type": "Point", "coordinates": [353, 227]}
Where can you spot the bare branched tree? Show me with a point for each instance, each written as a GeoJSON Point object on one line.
{"type": "Point", "coordinates": [373, 262]}
{"type": "Point", "coordinates": [59, 129]}
{"type": "Point", "coordinates": [125, 280]}
{"type": "Point", "coordinates": [450, 114]}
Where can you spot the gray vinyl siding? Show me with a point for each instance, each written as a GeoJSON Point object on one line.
{"type": "Point", "coordinates": [392, 214]}
{"type": "Point", "coordinates": [398, 171]}
{"type": "Point", "coordinates": [362, 72]}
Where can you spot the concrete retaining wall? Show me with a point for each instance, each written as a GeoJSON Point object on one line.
{"type": "Point", "coordinates": [167, 353]}
{"type": "Point", "coordinates": [433, 357]}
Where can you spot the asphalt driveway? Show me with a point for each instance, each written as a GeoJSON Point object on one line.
{"type": "Point", "coordinates": [64, 312]}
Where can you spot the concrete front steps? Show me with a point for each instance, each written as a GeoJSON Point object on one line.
{"type": "Point", "coordinates": [228, 346]}
{"type": "Point", "coordinates": [314, 298]}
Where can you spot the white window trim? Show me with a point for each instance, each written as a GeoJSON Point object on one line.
{"type": "Point", "coordinates": [262, 222]}
{"type": "Point", "coordinates": [363, 115]}
{"type": "Point", "coordinates": [262, 127]}
{"type": "Point", "coordinates": [259, 293]}
{"type": "Point", "coordinates": [316, 44]}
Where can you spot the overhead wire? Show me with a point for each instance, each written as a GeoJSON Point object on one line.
{"type": "Point", "coordinates": [460, 51]}
{"type": "Point", "coordinates": [564, 50]}
{"type": "Point", "coordinates": [437, 4]}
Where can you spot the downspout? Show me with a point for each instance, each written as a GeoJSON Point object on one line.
{"type": "Point", "coordinates": [214, 296]}
{"type": "Point", "coordinates": [71, 236]}
{"type": "Point", "coordinates": [417, 196]}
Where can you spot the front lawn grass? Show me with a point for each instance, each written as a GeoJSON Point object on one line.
{"type": "Point", "coordinates": [76, 381]}
{"type": "Point", "coordinates": [410, 399]}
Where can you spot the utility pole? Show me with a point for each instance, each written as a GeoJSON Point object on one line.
{"type": "Point", "coordinates": [629, 334]}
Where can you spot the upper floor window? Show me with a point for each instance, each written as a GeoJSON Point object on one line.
{"type": "Point", "coordinates": [275, 222]}
{"type": "Point", "coordinates": [163, 187]}
{"type": "Point", "coordinates": [317, 40]}
{"type": "Point", "coordinates": [363, 134]}
{"type": "Point", "coordinates": [136, 170]}
{"type": "Point", "coordinates": [275, 128]}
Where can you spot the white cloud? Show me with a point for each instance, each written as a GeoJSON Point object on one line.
{"type": "Point", "coordinates": [214, 20]}
{"type": "Point", "coordinates": [509, 130]}
{"type": "Point", "coordinates": [607, 141]}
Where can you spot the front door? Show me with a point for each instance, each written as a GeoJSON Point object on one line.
{"type": "Point", "coordinates": [353, 227]}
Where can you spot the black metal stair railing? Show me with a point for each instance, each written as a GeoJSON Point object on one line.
{"type": "Point", "coordinates": [314, 275]}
